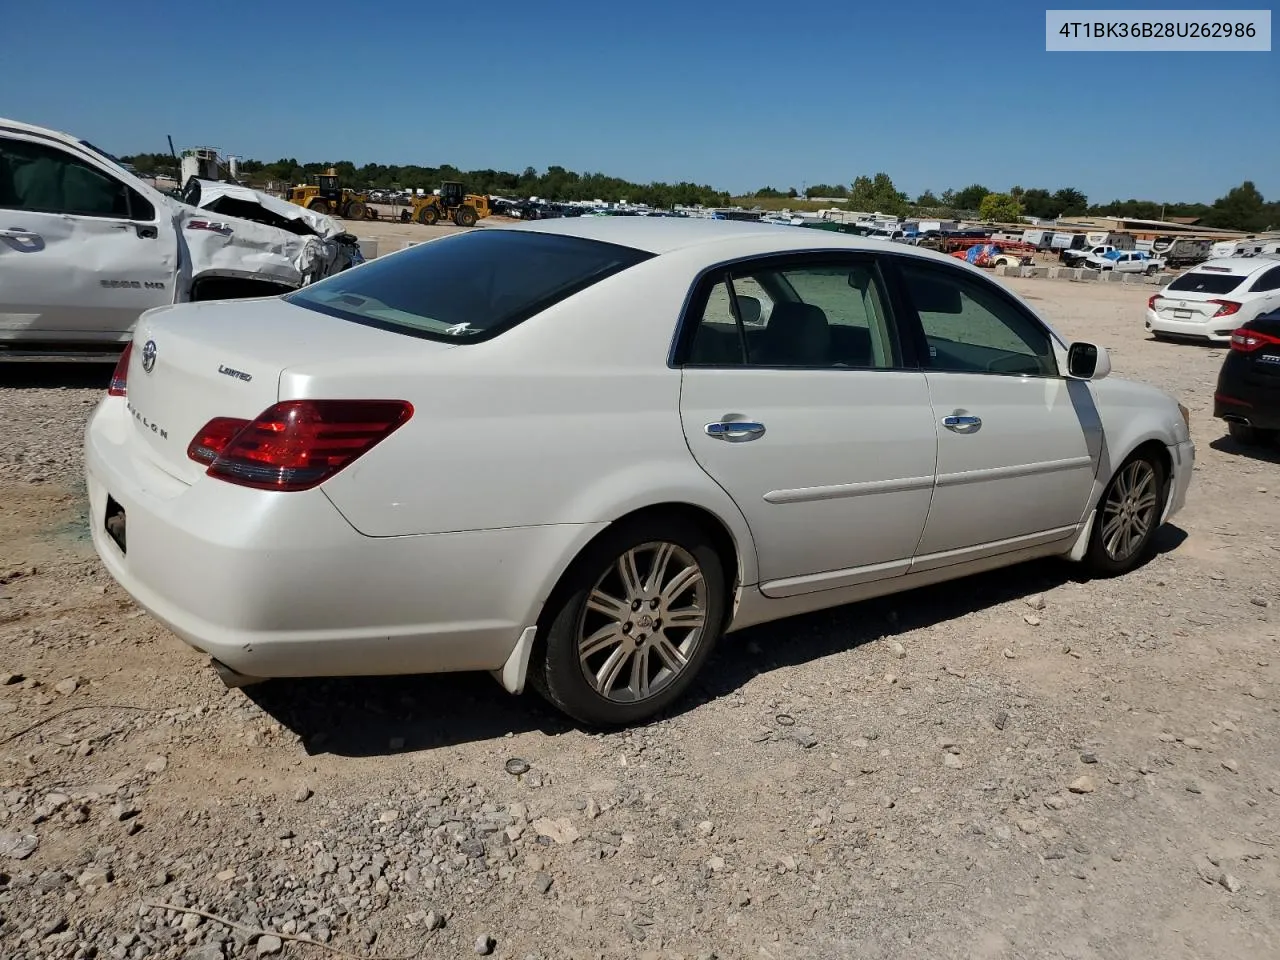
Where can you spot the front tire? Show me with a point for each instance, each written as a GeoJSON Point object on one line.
{"type": "Point", "coordinates": [1128, 515]}
{"type": "Point", "coordinates": [632, 623]}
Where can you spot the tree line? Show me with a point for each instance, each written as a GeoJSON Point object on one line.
{"type": "Point", "coordinates": [1242, 208]}
{"type": "Point", "coordinates": [555, 183]}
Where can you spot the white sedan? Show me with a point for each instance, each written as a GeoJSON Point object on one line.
{"type": "Point", "coordinates": [576, 452]}
{"type": "Point", "coordinates": [1215, 298]}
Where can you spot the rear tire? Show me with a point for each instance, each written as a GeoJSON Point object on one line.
{"type": "Point", "coordinates": [320, 206]}
{"type": "Point", "coordinates": [355, 211]}
{"type": "Point", "coordinates": [605, 657]}
{"type": "Point", "coordinates": [1127, 516]}
{"type": "Point", "coordinates": [465, 217]}
{"type": "Point", "coordinates": [1249, 436]}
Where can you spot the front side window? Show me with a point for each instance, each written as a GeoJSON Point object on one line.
{"type": "Point", "coordinates": [44, 179]}
{"type": "Point", "coordinates": [831, 314]}
{"type": "Point", "coordinates": [469, 287]}
{"type": "Point", "coordinates": [971, 327]}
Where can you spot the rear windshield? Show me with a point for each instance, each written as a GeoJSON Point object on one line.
{"type": "Point", "coordinates": [469, 287]}
{"type": "Point", "coordinates": [1196, 282]}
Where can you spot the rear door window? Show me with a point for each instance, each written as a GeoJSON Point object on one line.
{"type": "Point", "coordinates": [1268, 281]}
{"type": "Point", "coordinates": [469, 287]}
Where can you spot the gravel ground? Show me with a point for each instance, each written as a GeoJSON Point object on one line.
{"type": "Point", "coordinates": [1022, 764]}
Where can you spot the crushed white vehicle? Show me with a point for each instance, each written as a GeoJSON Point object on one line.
{"type": "Point", "coordinates": [86, 246]}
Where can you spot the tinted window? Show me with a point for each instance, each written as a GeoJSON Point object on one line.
{"type": "Point", "coordinates": [1196, 282]}
{"type": "Point", "coordinates": [971, 327]}
{"type": "Point", "coordinates": [825, 315]}
{"type": "Point", "coordinates": [469, 287]}
{"type": "Point", "coordinates": [1268, 281]}
{"type": "Point", "coordinates": [44, 179]}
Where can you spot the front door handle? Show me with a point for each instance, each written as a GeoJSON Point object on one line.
{"type": "Point", "coordinates": [21, 239]}
{"type": "Point", "coordinates": [962, 422]}
{"type": "Point", "coordinates": [735, 431]}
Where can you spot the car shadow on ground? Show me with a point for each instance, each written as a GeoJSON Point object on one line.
{"type": "Point", "coordinates": [375, 716]}
{"type": "Point", "coordinates": [52, 375]}
{"type": "Point", "coordinates": [1268, 453]}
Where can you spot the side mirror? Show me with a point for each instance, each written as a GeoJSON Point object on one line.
{"type": "Point", "coordinates": [1087, 361]}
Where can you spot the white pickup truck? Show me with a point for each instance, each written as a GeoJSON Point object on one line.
{"type": "Point", "coordinates": [86, 246]}
{"type": "Point", "coordinates": [1125, 261]}
{"type": "Point", "coordinates": [1076, 258]}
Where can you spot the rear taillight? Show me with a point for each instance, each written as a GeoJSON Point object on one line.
{"type": "Point", "coordinates": [1151, 301]}
{"type": "Point", "coordinates": [213, 438]}
{"type": "Point", "coordinates": [1247, 341]}
{"type": "Point", "coordinates": [120, 375]}
{"type": "Point", "coordinates": [1225, 307]}
{"type": "Point", "coordinates": [297, 444]}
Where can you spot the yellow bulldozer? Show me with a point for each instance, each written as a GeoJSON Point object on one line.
{"type": "Point", "coordinates": [451, 203]}
{"type": "Point", "coordinates": [326, 195]}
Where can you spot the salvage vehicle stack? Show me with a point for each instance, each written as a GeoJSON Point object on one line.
{"type": "Point", "coordinates": [88, 246]}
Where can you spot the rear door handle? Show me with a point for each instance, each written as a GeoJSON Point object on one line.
{"type": "Point", "coordinates": [962, 423]}
{"type": "Point", "coordinates": [735, 431]}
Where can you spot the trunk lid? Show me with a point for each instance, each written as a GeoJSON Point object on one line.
{"type": "Point", "coordinates": [225, 359]}
{"type": "Point", "coordinates": [1187, 305]}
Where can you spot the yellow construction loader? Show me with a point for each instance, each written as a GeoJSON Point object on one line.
{"type": "Point", "coordinates": [451, 203]}
{"type": "Point", "coordinates": [326, 195]}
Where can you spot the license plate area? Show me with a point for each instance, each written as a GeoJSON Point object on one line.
{"type": "Point", "coordinates": [1182, 314]}
{"type": "Point", "coordinates": [114, 523]}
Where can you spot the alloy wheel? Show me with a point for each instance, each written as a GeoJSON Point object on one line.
{"type": "Point", "coordinates": [1129, 512]}
{"type": "Point", "coordinates": [643, 620]}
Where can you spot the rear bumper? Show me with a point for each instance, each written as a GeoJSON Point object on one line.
{"type": "Point", "coordinates": [1217, 331]}
{"type": "Point", "coordinates": [1244, 401]}
{"type": "Point", "coordinates": [280, 585]}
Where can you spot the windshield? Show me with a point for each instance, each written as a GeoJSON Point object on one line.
{"type": "Point", "coordinates": [468, 287]}
{"type": "Point", "coordinates": [1195, 282]}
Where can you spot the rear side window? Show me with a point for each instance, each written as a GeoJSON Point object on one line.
{"type": "Point", "coordinates": [1268, 281]}
{"type": "Point", "coordinates": [1196, 282]}
{"type": "Point", "coordinates": [469, 287]}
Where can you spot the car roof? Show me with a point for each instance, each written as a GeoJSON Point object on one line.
{"type": "Point", "coordinates": [17, 126]}
{"type": "Point", "coordinates": [659, 235]}
{"type": "Point", "coordinates": [1238, 266]}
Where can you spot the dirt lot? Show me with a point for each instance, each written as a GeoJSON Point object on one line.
{"type": "Point", "coordinates": [1018, 765]}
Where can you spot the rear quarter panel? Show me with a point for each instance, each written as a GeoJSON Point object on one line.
{"type": "Point", "coordinates": [573, 417]}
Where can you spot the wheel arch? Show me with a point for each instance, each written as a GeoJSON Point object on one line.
{"type": "Point", "coordinates": [1150, 442]}
{"type": "Point", "coordinates": [736, 552]}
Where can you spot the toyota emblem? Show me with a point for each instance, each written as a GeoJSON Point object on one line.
{"type": "Point", "coordinates": [149, 355]}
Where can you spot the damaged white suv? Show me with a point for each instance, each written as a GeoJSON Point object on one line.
{"type": "Point", "coordinates": [86, 246]}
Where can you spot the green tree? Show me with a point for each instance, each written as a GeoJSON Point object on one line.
{"type": "Point", "coordinates": [1070, 202]}
{"type": "Point", "coordinates": [927, 199]}
{"type": "Point", "coordinates": [826, 190]}
{"type": "Point", "coordinates": [877, 195]}
{"type": "Point", "coordinates": [1000, 207]}
{"type": "Point", "coordinates": [1243, 208]}
{"type": "Point", "coordinates": [971, 197]}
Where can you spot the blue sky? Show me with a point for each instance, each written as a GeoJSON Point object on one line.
{"type": "Point", "coordinates": [739, 95]}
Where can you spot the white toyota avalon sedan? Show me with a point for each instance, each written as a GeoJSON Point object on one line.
{"type": "Point", "coordinates": [575, 452]}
